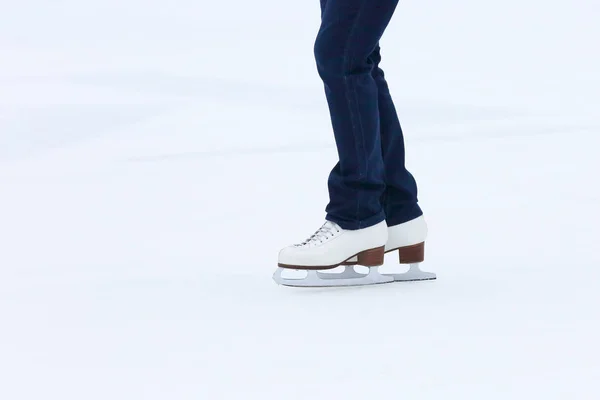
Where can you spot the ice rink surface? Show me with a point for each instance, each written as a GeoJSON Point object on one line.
{"type": "Point", "coordinates": [155, 156]}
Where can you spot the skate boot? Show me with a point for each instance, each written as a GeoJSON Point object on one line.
{"type": "Point", "coordinates": [330, 247]}
{"type": "Point", "coordinates": [409, 240]}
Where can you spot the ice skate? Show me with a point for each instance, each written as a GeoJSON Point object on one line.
{"type": "Point", "coordinates": [330, 247]}
{"type": "Point", "coordinates": [409, 240]}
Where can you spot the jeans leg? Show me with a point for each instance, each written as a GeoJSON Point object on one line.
{"type": "Point", "coordinates": [323, 4]}
{"type": "Point", "coordinates": [399, 199]}
{"type": "Point", "coordinates": [349, 33]}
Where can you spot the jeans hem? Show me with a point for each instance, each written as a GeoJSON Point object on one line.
{"type": "Point", "coordinates": [360, 224]}
{"type": "Point", "coordinates": [408, 215]}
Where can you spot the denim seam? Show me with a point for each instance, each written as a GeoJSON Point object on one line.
{"type": "Point", "coordinates": [353, 117]}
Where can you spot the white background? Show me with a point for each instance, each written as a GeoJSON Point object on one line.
{"type": "Point", "coordinates": [155, 156]}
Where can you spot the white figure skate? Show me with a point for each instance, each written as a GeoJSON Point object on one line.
{"type": "Point", "coordinates": [330, 247]}
{"type": "Point", "coordinates": [409, 240]}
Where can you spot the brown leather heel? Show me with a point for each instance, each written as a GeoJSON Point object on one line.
{"type": "Point", "coordinates": [372, 257]}
{"type": "Point", "coordinates": [412, 254]}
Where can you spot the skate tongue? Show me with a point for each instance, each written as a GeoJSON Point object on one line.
{"type": "Point", "coordinates": [332, 225]}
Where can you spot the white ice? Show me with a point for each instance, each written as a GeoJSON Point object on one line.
{"type": "Point", "coordinates": [155, 156]}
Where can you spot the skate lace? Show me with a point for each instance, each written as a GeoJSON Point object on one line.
{"type": "Point", "coordinates": [326, 231]}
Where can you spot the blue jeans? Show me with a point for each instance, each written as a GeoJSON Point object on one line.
{"type": "Point", "coordinates": [370, 182]}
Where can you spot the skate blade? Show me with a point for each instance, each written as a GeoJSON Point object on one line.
{"type": "Point", "coordinates": [413, 274]}
{"type": "Point", "coordinates": [315, 279]}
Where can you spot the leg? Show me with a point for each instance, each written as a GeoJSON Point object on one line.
{"type": "Point", "coordinates": [350, 32]}
{"type": "Point", "coordinates": [400, 197]}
